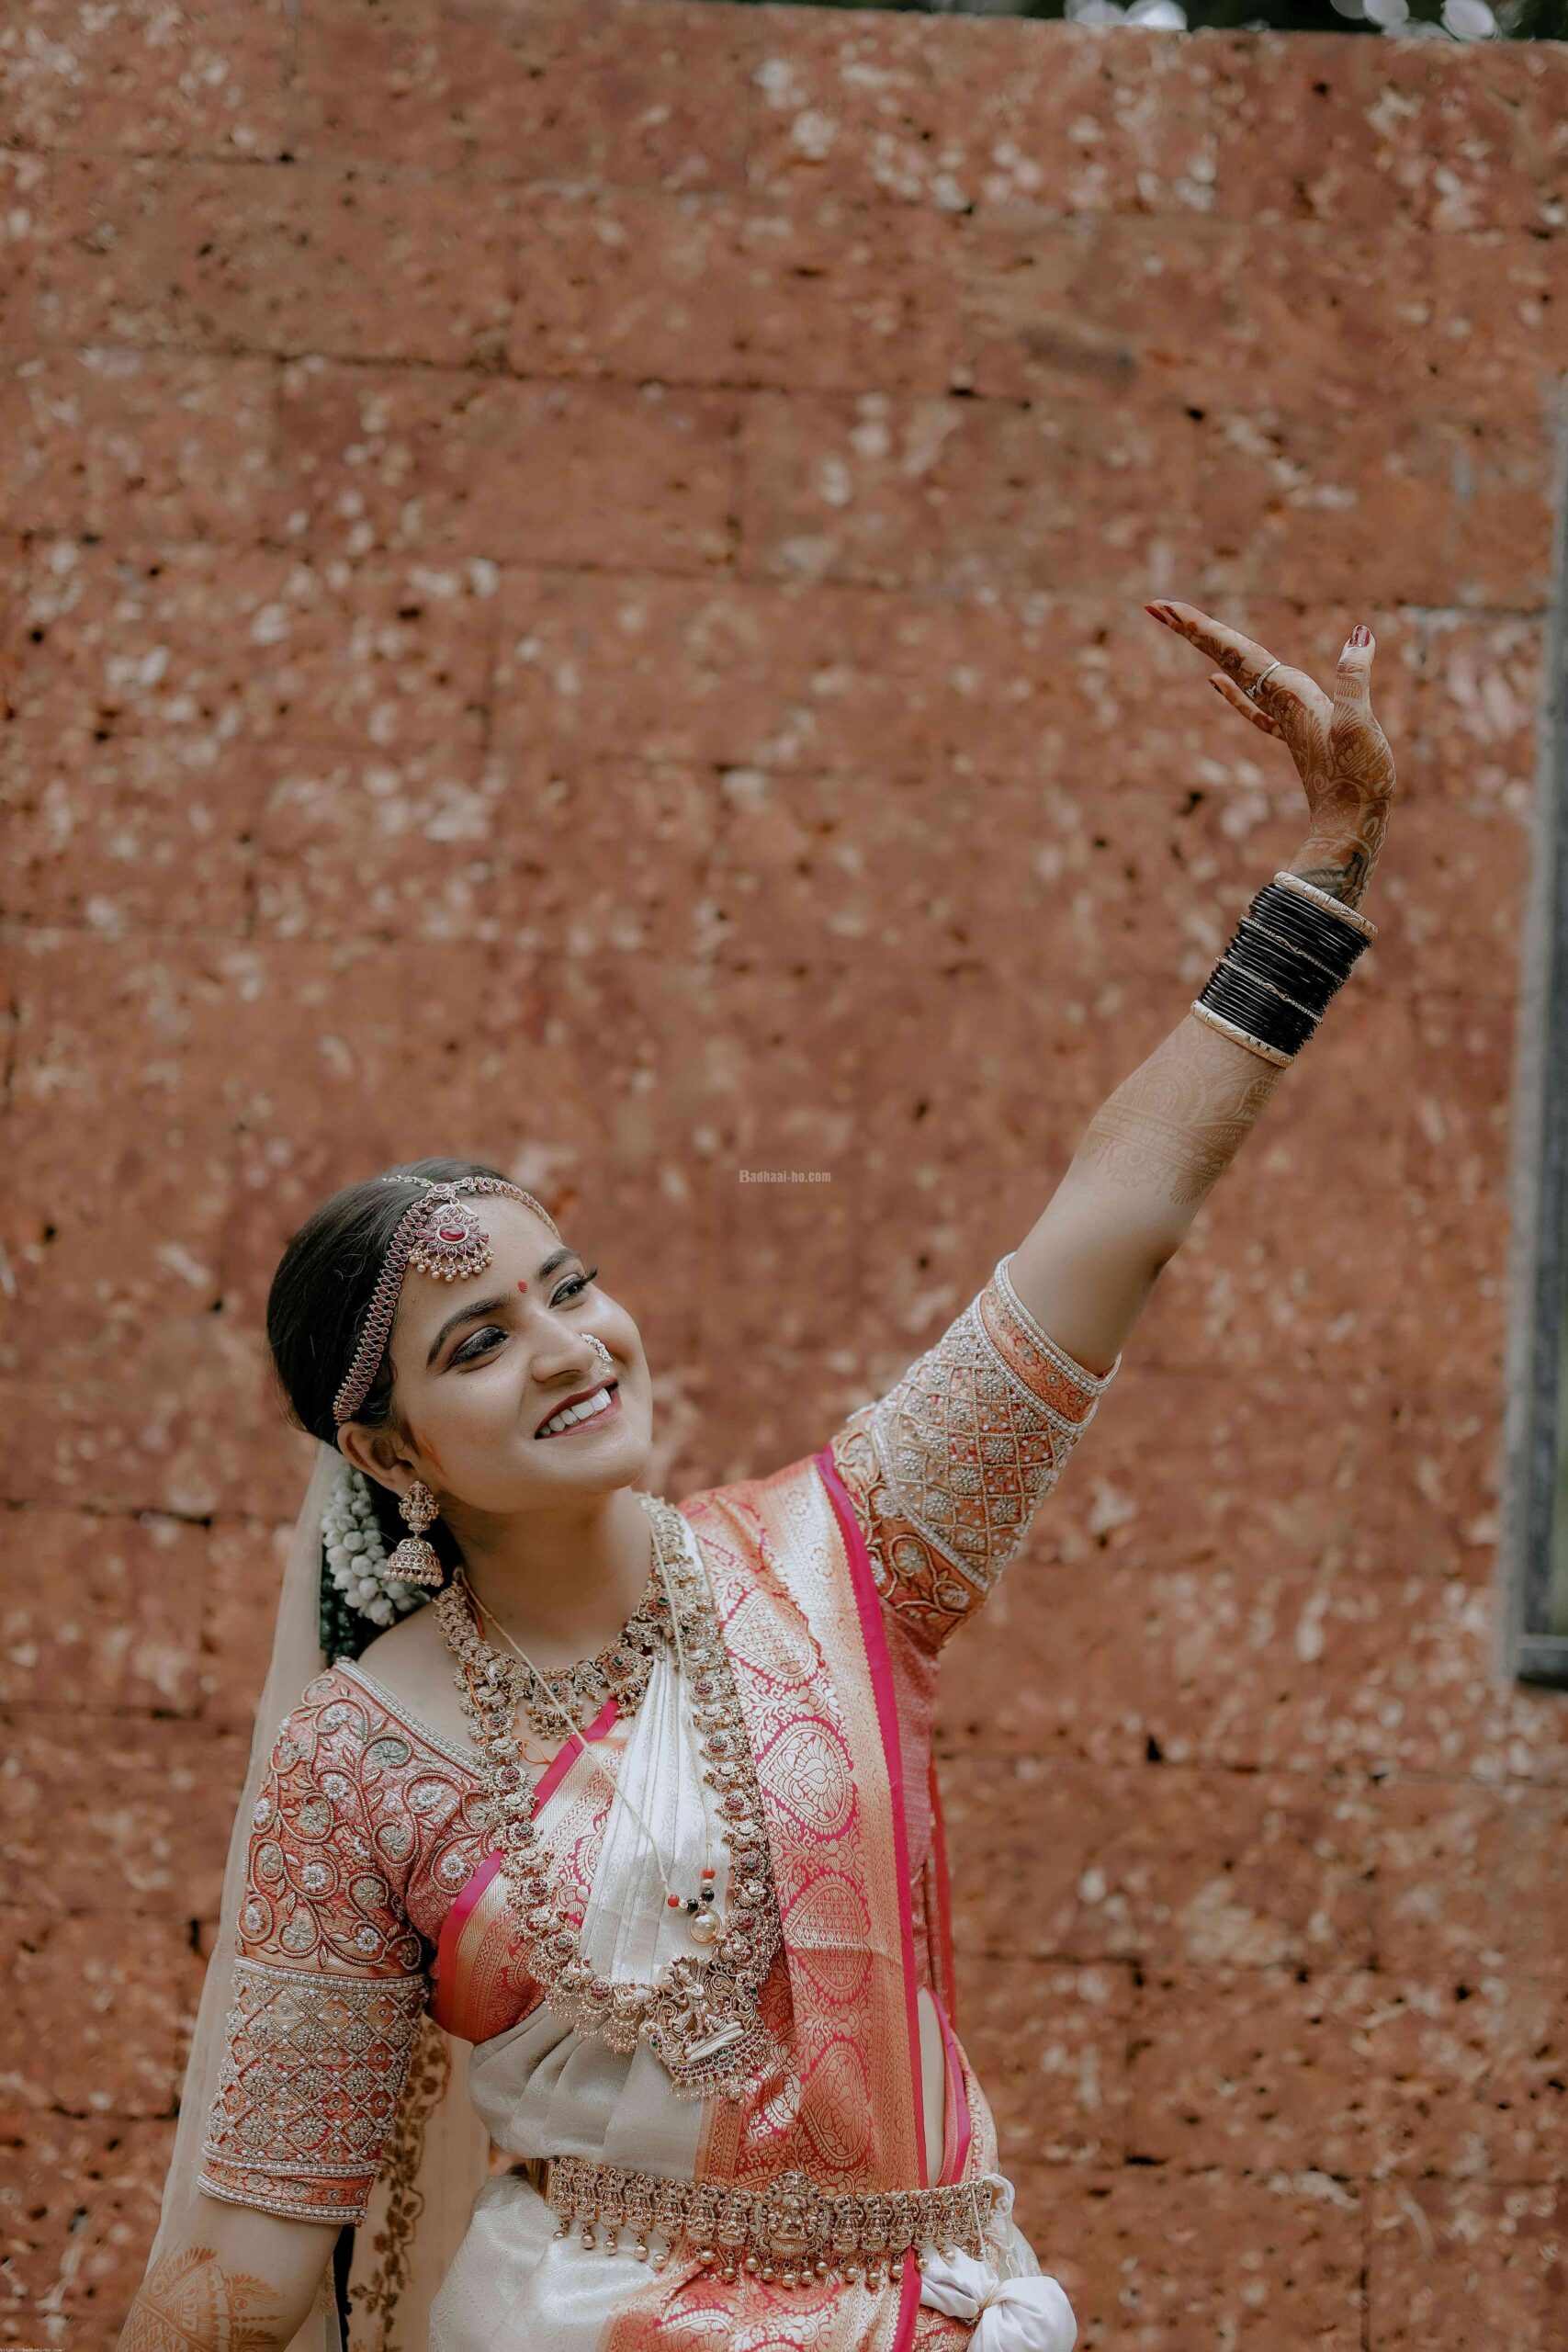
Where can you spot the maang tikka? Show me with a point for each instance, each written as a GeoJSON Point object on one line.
{"type": "Point", "coordinates": [441, 1235]}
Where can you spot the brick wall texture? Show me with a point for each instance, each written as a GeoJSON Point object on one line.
{"type": "Point", "coordinates": [572, 583]}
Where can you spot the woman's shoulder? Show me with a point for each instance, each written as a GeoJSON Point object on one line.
{"type": "Point", "coordinates": [409, 1670]}
{"type": "Point", "coordinates": [370, 1717]}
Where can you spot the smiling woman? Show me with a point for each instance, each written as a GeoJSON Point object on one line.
{"type": "Point", "coordinates": [470, 1365]}
{"type": "Point", "coordinates": [596, 1901]}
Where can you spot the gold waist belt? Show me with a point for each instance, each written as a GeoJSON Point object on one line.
{"type": "Point", "coordinates": [790, 2233]}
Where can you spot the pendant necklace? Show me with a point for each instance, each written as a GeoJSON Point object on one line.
{"type": "Point", "coordinates": [703, 1919]}
{"type": "Point", "coordinates": [699, 2014]}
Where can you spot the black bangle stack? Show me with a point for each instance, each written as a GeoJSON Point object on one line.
{"type": "Point", "coordinates": [1293, 950]}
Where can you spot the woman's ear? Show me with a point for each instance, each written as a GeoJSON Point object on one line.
{"type": "Point", "coordinates": [380, 1453]}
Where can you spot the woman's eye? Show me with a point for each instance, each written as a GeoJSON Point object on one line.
{"type": "Point", "coordinates": [466, 1352]}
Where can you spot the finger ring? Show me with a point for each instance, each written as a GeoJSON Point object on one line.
{"type": "Point", "coordinates": [1251, 691]}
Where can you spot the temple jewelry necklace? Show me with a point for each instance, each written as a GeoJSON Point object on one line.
{"type": "Point", "coordinates": [576, 1694]}
{"type": "Point", "coordinates": [705, 1919]}
{"type": "Point", "coordinates": [699, 2014]}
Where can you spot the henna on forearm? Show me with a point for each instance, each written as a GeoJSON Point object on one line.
{"type": "Point", "coordinates": [1148, 1158]}
{"type": "Point", "coordinates": [1171, 1129]}
{"type": "Point", "coordinates": [1343, 867]}
{"type": "Point", "coordinates": [190, 2302]}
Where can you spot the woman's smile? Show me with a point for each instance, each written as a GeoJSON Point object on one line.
{"type": "Point", "coordinates": [601, 1403]}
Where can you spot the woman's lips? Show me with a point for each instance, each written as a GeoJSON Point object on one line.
{"type": "Point", "coordinates": [607, 1413]}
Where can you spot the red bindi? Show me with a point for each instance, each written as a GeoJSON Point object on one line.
{"type": "Point", "coordinates": [522, 1286]}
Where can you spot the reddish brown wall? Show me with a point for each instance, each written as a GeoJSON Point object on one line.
{"type": "Point", "coordinates": [573, 593]}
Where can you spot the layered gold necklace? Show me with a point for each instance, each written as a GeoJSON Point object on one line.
{"type": "Point", "coordinates": [699, 2014]}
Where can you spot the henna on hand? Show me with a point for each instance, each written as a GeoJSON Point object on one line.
{"type": "Point", "coordinates": [1340, 750]}
{"type": "Point", "coordinates": [190, 2302]}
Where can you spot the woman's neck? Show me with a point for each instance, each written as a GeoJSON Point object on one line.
{"type": "Point", "coordinates": [562, 1581]}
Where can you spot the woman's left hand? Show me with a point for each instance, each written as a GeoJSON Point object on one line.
{"type": "Point", "coordinates": [1341, 752]}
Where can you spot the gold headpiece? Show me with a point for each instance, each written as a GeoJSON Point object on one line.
{"type": "Point", "coordinates": [441, 1235]}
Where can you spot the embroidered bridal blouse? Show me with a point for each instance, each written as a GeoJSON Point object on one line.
{"type": "Point", "coordinates": [372, 1897]}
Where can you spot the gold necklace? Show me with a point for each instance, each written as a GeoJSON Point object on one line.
{"type": "Point", "coordinates": [699, 2014]}
{"type": "Point", "coordinates": [702, 1916]}
{"type": "Point", "coordinates": [577, 1693]}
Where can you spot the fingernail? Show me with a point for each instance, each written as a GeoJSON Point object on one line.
{"type": "Point", "coordinates": [1361, 633]}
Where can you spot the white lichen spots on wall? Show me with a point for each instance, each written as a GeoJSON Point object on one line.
{"type": "Point", "coordinates": [777, 80]}
{"type": "Point", "coordinates": [179, 1259]}
{"type": "Point", "coordinates": [1215, 1926]}
{"type": "Point", "coordinates": [813, 133]}
{"type": "Point", "coordinates": [1110, 1509]}
{"type": "Point", "coordinates": [807, 555]}
{"type": "Point", "coordinates": [834, 485]}
{"type": "Point", "coordinates": [271, 624]}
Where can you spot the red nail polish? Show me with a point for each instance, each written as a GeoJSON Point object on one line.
{"type": "Point", "coordinates": [1361, 633]}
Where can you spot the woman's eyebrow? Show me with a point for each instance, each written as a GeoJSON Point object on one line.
{"type": "Point", "coordinates": [493, 1305]}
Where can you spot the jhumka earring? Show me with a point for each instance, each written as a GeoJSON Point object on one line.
{"type": "Point", "coordinates": [414, 1561]}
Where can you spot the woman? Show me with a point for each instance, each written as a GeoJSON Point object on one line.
{"type": "Point", "coordinates": [621, 1851]}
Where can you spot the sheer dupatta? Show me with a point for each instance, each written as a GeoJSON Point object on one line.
{"type": "Point", "coordinates": [437, 2152]}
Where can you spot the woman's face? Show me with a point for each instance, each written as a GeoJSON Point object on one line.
{"type": "Point", "coordinates": [480, 1364]}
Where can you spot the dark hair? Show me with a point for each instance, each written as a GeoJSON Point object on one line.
{"type": "Point", "coordinates": [315, 1313]}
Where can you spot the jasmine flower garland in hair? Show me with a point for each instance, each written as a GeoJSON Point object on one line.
{"type": "Point", "coordinates": [356, 1554]}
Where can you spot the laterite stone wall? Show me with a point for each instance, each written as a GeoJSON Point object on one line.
{"type": "Point", "coordinates": [571, 592]}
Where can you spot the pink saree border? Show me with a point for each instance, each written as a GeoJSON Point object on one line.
{"type": "Point", "coordinates": [943, 1967]}
{"type": "Point", "coordinates": [446, 1960]}
{"type": "Point", "coordinates": [868, 1600]}
{"type": "Point", "coordinates": [873, 1632]}
{"type": "Point", "coordinates": [958, 2126]}
{"type": "Point", "coordinates": [568, 1753]}
{"type": "Point", "coordinates": [908, 2306]}
{"type": "Point", "coordinates": [452, 1928]}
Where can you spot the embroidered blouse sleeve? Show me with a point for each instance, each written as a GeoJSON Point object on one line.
{"type": "Point", "coordinates": [946, 1469]}
{"type": "Point", "coordinates": [330, 1974]}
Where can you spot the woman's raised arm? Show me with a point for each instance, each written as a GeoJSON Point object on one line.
{"type": "Point", "coordinates": [1157, 1146]}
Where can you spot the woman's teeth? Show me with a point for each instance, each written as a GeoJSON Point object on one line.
{"type": "Point", "coordinates": [569, 1415]}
